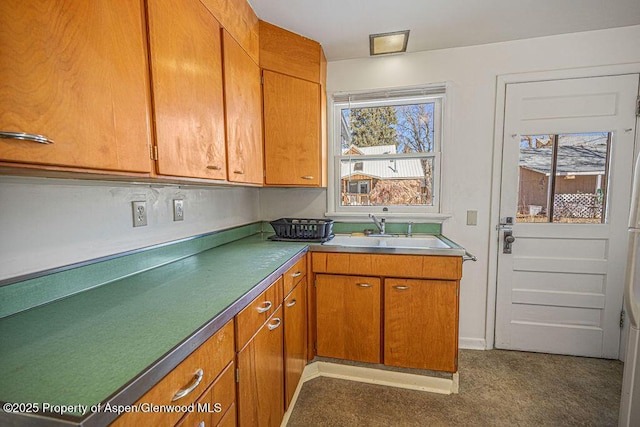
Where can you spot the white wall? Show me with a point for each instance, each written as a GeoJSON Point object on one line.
{"type": "Point", "coordinates": [468, 148]}
{"type": "Point", "coordinates": [47, 223]}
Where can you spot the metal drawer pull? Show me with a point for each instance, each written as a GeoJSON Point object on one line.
{"type": "Point", "coordinates": [364, 285]}
{"type": "Point", "coordinates": [309, 177]}
{"type": "Point", "coordinates": [296, 274]}
{"type": "Point", "coordinates": [274, 325]}
{"type": "Point", "coordinates": [214, 167]}
{"type": "Point", "coordinates": [267, 306]}
{"type": "Point", "coordinates": [401, 288]}
{"type": "Point", "coordinates": [26, 137]}
{"type": "Point", "coordinates": [239, 172]}
{"type": "Point", "coordinates": [196, 381]}
{"type": "Point", "coordinates": [292, 303]}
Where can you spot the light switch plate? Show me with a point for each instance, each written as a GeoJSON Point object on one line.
{"type": "Point", "coordinates": [472, 217]}
{"type": "Point", "coordinates": [139, 210]}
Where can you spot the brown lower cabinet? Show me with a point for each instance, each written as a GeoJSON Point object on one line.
{"type": "Point", "coordinates": [260, 376]}
{"type": "Point", "coordinates": [420, 324]}
{"type": "Point", "coordinates": [416, 295]}
{"type": "Point", "coordinates": [295, 338]}
{"type": "Point", "coordinates": [210, 364]}
{"type": "Point", "coordinates": [348, 317]}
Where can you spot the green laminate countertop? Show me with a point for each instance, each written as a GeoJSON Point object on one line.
{"type": "Point", "coordinates": [86, 348]}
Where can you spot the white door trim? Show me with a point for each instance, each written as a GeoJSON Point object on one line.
{"type": "Point", "coordinates": [498, 137]}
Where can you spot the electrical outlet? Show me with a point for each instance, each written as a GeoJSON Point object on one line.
{"type": "Point", "coordinates": [139, 213]}
{"type": "Point", "coordinates": [178, 210]}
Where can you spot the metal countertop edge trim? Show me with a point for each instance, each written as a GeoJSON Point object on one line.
{"type": "Point", "coordinates": [138, 386]}
{"type": "Point", "coordinates": [36, 274]}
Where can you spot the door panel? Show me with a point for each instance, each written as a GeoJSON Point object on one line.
{"type": "Point", "coordinates": [243, 102]}
{"type": "Point", "coordinates": [76, 73]}
{"type": "Point", "coordinates": [186, 71]}
{"type": "Point", "coordinates": [567, 162]}
{"type": "Point", "coordinates": [348, 317]}
{"type": "Point", "coordinates": [291, 130]}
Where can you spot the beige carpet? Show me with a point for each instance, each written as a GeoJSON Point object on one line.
{"type": "Point", "coordinates": [497, 388]}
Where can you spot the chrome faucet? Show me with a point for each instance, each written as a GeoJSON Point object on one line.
{"type": "Point", "coordinates": [410, 229]}
{"type": "Point", "coordinates": [380, 224]}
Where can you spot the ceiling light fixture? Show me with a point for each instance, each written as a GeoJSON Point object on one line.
{"type": "Point", "coordinates": [384, 43]}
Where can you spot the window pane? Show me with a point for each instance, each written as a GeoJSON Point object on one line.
{"type": "Point", "coordinates": [533, 184]}
{"type": "Point", "coordinates": [577, 164]}
{"type": "Point", "coordinates": [581, 178]}
{"type": "Point", "coordinates": [388, 129]}
{"type": "Point", "coordinates": [401, 182]}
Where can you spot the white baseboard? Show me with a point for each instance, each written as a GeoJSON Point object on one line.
{"type": "Point", "coordinates": [472, 343]}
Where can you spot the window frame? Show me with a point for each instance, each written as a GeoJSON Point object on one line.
{"type": "Point", "coordinates": [410, 96]}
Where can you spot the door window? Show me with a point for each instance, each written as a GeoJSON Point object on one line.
{"type": "Point", "coordinates": [563, 178]}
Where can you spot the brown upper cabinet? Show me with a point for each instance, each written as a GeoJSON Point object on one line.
{"type": "Point", "coordinates": [115, 91]}
{"type": "Point", "coordinates": [240, 21]}
{"type": "Point", "coordinates": [294, 108]}
{"type": "Point", "coordinates": [75, 72]}
{"type": "Point", "coordinates": [186, 73]}
{"type": "Point", "coordinates": [243, 113]}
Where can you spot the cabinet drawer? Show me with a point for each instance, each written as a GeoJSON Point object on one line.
{"type": "Point", "coordinates": [209, 359]}
{"type": "Point", "coordinates": [215, 403]}
{"type": "Point", "coordinates": [295, 274]}
{"type": "Point", "coordinates": [409, 266]}
{"type": "Point", "coordinates": [257, 312]}
{"type": "Point", "coordinates": [223, 393]}
{"type": "Point", "coordinates": [229, 419]}
{"type": "Point", "coordinates": [200, 416]}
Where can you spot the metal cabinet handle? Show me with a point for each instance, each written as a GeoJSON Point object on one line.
{"type": "Point", "coordinates": [196, 381]}
{"type": "Point", "coordinates": [273, 326]}
{"type": "Point", "coordinates": [239, 172]}
{"type": "Point", "coordinates": [267, 306]}
{"type": "Point", "coordinates": [401, 288]}
{"type": "Point", "coordinates": [364, 285]}
{"type": "Point", "coordinates": [297, 274]}
{"type": "Point", "coordinates": [214, 167]}
{"type": "Point", "coordinates": [26, 137]}
{"type": "Point", "coordinates": [292, 303]}
{"type": "Point", "coordinates": [309, 177]}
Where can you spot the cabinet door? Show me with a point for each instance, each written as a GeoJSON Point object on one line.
{"type": "Point", "coordinates": [348, 317]}
{"type": "Point", "coordinates": [421, 324]}
{"type": "Point", "coordinates": [243, 114]}
{"type": "Point", "coordinates": [295, 338]}
{"type": "Point", "coordinates": [260, 376]}
{"type": "Point", "coordinates": [291, 130]}
{"type": "Point", "coordinates": [186, 71]}
{"type": "Point", "coordinates": [76, 73]}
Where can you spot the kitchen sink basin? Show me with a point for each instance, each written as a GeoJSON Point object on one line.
{"type": "Point", "coordinates": [414, 242]}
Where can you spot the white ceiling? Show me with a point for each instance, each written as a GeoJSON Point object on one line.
{"type": "Point", "coordinates": [343, 26]}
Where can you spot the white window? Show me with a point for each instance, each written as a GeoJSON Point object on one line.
{"type": "Point", "coordinates": [386, 152]}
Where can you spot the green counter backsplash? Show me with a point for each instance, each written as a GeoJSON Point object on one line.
{"type": "Point", "coordinates": [30, 293]}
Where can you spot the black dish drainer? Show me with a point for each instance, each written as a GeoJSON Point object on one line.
{"type": "Point", "coordinates": [302, 230]}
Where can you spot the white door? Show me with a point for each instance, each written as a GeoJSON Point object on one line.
{"type": "Point", "coordinates": [566, 181]}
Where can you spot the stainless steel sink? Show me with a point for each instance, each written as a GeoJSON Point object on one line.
{"type": "Point", "coordinates": [414, 242]}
